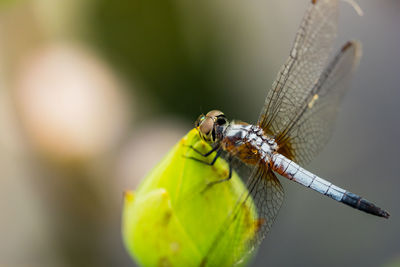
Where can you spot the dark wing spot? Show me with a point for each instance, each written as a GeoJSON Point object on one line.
{"type": "Point", "coordinates": [259, 223]}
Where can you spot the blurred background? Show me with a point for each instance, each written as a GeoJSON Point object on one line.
{"type": "Point", "coordinates": [94, 93]}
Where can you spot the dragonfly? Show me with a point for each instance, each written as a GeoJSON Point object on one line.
{"type": "Point", "coordinates": [296, 121]}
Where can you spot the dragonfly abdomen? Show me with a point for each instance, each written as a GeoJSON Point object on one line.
{"type": "Point", "coordinates": [293, 171]}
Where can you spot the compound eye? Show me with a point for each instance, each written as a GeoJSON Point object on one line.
{"type": "Point", "coordinates": [206, 126]}
{"type": "Point", "coordinates": [199, 120]}
{"type": "Point", "coordinates": [221, 120]}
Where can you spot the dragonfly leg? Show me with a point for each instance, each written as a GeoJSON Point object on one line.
{"type": "Point", "coordinates": [217, 155]}
{"type": "Point", "coordinates": [211, 184]}
{"type": "Point", "coordinates": [214, 148]}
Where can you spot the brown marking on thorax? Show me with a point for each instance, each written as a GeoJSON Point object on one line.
{"type": "Point", "coordinates": [246, 152]}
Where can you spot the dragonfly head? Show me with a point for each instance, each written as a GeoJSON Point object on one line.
{"type": "Point", "coordinates": [212, 126]}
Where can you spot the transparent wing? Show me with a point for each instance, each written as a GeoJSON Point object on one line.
{"type": "Point", "coordinates": [267, 195]}
{"type": "Point", "coordinates": [310, 130]}
{"type": "Point", "coordinates": [308, 57]}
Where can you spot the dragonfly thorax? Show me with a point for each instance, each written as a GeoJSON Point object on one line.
{"type": "Point", "coordinates": [248, 143]}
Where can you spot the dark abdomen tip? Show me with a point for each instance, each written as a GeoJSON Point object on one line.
{"type": "Point", "coordinates": [360, 203]}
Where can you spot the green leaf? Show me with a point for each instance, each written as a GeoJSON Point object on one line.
{"type": "Point", "coordinates": [174, 218]}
